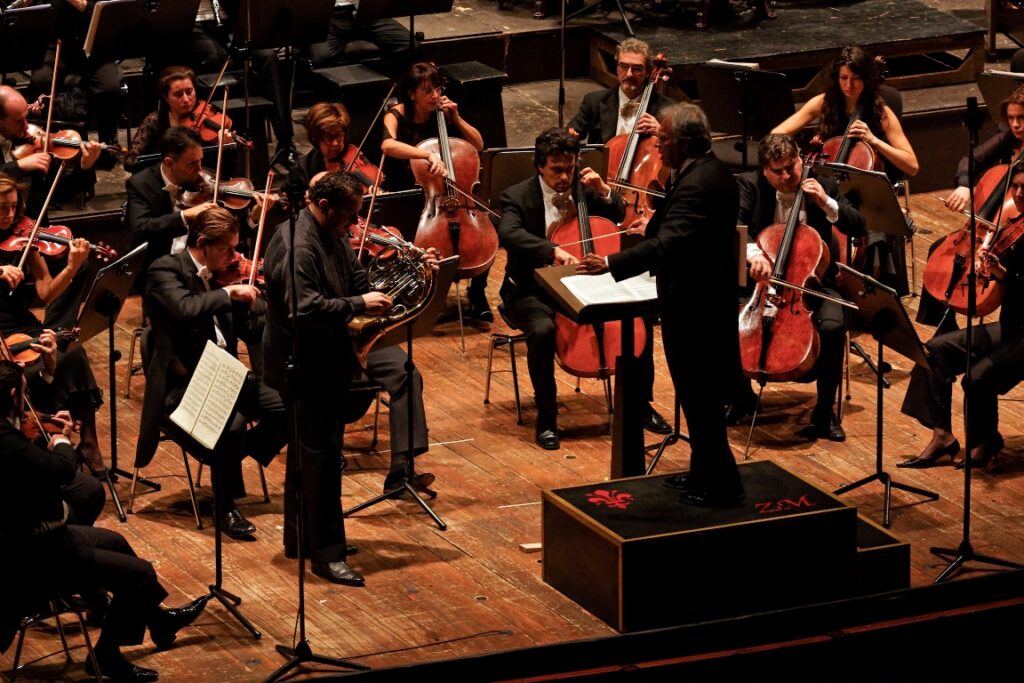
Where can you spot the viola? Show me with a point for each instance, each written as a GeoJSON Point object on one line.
{"type": "Point", "coordinates": [945, 273]}
{"type": "Point", "coordinates": [20, 344]}
{"type": "Point", "coordinates": [355, 162]}
{"type": "Point", "coordinates": [51, 240]}
{"type": "Point", "coordinates": [206, 120]}
{"type": "Point", "coordinates": [778, 338]}
{"type": "Point", "coordinates": [239, 271]}
{"type": "Point", "coordinates": [451, 221]}
{"type": "Point", "coordinates": [635, 157]}
{"type": "Point", "coordinates": [590, 350]}
{"type": "Point", "coordinates": [233, 193]}
{"type": "Point", "coordinates": [64, 144]}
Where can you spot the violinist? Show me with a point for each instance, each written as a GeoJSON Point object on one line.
{"type": "Point", "coordinates": [688, 247]}
{"type": "Point", "coordinates": [187, 307]}
{"type": "Point", "coordinates": [156, 211]}
{"type": "Point", "coordinates": [46, 553]}
{"type": "Point", "coordinates": [997, 364]}
{"type": "Point", "coordinates": [766, 198]}
{"type": "Point", "coordinates": [531, 210]}
{"type": "Point", "coordinates": [327, 125]}
{"type": "Point", "coordinates": [73, 386]}
{"type": "Point", "coordinates": [177, 91]}
{"type": "Point", "coordinates": [413, 120]}
{"type": "Point", "coordinates": [603, 114]}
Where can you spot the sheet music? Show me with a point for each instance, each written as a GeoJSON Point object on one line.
{"type": "Point", "coordinates": [603, 289]}
{"type": "Point", "coordinates": [211, 395]}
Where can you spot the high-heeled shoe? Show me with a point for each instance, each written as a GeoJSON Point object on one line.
{"type": "Point", "coordinates": [931, 459]}
{"type": "Point", "coordinates": [990, 450]}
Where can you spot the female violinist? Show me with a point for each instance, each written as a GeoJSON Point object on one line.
{"type": "Point", "coordinates": [997, 365]}
{"type": "Point", "coordinates": [410, 122]}
{"type": "Point", "coordinates": [327, 125]}
{"type": "Point", "coordinates": [73, 386]}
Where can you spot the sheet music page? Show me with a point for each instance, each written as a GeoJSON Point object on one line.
{"type": "Point", "coordinates": [603, 289]}
{"type": "Point", "coordinates": [211, 394]}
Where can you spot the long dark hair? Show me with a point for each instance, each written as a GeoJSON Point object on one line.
{"type": "Point", "coordinates": [833, 111]}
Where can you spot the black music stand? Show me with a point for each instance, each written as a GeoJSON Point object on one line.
{"type": "Point", "coordinates": [123, 29]}
{"type": "Point", "coordinates": [25, 36]}
{"type": "Point", "coordinates": [996, 87]}
{"type": "Point", "coordinates": [593, 6]}
{"type": "Point", "coordinates": [389, 9]}
{"type": "Point", "coordinates": [889, 323]}
{"type": "Point", "coordinates": [502, 167]}
{"type": "Point", "coordinates": [628, 448]}
{"type": "Point", "coordinates": [421, 325]}
{"type": "Point", "coordinates": [400, 209]}
{"type": "Point", "coordinates": [103, 304]}
{"type": "Point", "coordinates": [744, 101]}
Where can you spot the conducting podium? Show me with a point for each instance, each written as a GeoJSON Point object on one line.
{"type": "Point", "coordinates": [630, 400]}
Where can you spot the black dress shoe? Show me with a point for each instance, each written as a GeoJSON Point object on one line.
{"type": "Point", "coordinates": [827, 427]}
{"type": "Point", "coordinates": [989, 451]}
{"type": "Point", "coordinates": [237, 526]}
{"type": "Point", "coordinates": [655, 423]}
{"type": "Point", "coordinates": [923, 460]}
{"type": "Point", "coordinates": [548, 439]}
{"type": "Point", "coordinates": [339, 572]}
{"type": "Point", "coordinates": [120, 670]}
{"type": "Point", "coordinates": [164, 629]}
{"type": "Point", "coordinates": [741, 409]}
{"type": "Point", "coordinates": [708, 499]}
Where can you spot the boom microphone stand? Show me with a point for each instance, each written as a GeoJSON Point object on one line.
{"type": "Point", "coordinates": [965, 552]}
{"type": "Point", "coordinates": [302, 652]}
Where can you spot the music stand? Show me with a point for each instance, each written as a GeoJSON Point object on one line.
{"type": "Point", "coordinates": [122, 29]}
{"type": "Point", "coordinates": [389, 9]}
{"type": "Point", "coordinates": [996, 87]}
{"type": "Point", "coordinates": [502, 167]}
{"type": "Point", "coordinates": [591, 7]}
{"type": "Point", "coordinates": [889, 323]}
{"type": "Point", "coordinates": [400, 209]}
{"type": "Point", "coordinates": [25, 37]}
{"type": "Point", "coordinates": [743, 101]}
{"type": "Point", "coordinates": [419, 326]}
{"type": "Point", "coordinates": [103, 304]}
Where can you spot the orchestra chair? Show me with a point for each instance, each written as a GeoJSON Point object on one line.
{"type": "Point", "coordinates": [509, 339]}
{"type": "Point", "coordinates": [362, 392]}
{"type": "Point", "coordinates": [56, 607]}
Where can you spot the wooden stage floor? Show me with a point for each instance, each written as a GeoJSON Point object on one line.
{"type": "Point", "coordinates": [432, 594]}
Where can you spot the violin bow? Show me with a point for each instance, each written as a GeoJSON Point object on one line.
{"type": "Point", "coordinates": [53, 94]}
{"type": "Point", "coordinates": [259, 230]}
{"type": "Point", "coordinates": [369, 214]}
{"type": "Point", "coordinates": [216, 82]}
{"type": "Point", "coordinates": [220, 153]}
{"type": "Point", "coordinates": [366, 135]}
{"type": "Point", "coordinates": [39, 221]}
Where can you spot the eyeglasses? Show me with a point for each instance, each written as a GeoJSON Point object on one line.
{"type": "Point", "coordinates": [631, 68]}
{"type": "Point", "coordinates": [430, 91]}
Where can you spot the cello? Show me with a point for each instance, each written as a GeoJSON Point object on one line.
{"type": "Point", "coordinates": [452, 221]}
{"type": "Point", "coordinates": [635, 157]}
{"type": "Point", "coordinates": [945, 273]}
{"type": "Point", "coordinates": [590, 350]}
{"type": "Point", "coordinates": [778, 339]}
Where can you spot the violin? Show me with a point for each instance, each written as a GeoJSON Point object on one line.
{"type": "Point", "coordinates": [635, 157]}
{"type": "Point", "coordinates": [20, 344]}
{"type": "Point", "coordinates": [234, 193]}
{"type": "Point", "coordinates": [380, 240]}
{"type": "Point", "coordinates": [355, 162]}
{"type": "Point", "coordinates": [39, 426]}
{"type": "Point", "coordinates": [64, 144]}
{"type": "Point", "coordinates": [945, 273]}
{"type": "Point", "coordinates": [590, 350]}
{"type": "Point", "coordinates": [239, 272]}
{"type": "Point", "coordinates": [51, 240]}
{"type": "Point", "coordinates": [451, 221]}
{"type": "Point", "coordinates": [206, 120]}
{"type": "Point", "coordinates": [778, 338]}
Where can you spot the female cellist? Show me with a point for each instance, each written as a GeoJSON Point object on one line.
{"type": "Point", "coordinates": [413, 120]}
{"type": "Point", "coordinates": [73, 386]}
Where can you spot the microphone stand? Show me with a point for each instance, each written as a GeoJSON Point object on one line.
{"type": "Point", "coordinates": [302, 652]}
{"type": "Point", "coordinates": [965, 552]}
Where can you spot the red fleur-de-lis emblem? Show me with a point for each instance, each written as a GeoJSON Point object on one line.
{"type": "Point", "coordinates": [612, 499]}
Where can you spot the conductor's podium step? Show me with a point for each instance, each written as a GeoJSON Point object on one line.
{"type": "Point", "coordinates": [631, 552]}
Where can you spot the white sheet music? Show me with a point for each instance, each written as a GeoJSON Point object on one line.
{"type": "Point", "coordinates": [603, 289]}
{"type": "Point", "coordinates": [211, 395]}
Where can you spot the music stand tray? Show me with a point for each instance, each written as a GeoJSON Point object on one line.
{"type": "Point", "coordinates": [122, 29]}
{"type": "Point", "coordinates": [25, 37]}
{"type": "Point", "coordinates": [425, 321]}
{"type": "Point", "coordinates": [628, 448]}
{"type": "Point", "coordinates": [996, 88]}
{"type": "Point", "coordinates": [887, 319]}
{"type": "Point", "coordinates": [871, 192]}
{"type": "Point", "coordinates": [280, 23]}
{"type": "Point", "coordinates": [109, 290]}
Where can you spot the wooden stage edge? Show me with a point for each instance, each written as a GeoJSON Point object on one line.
{"type": "Point", "coordinates": [472, 590]}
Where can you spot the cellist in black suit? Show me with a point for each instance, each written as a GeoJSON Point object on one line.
{"type": "Point", "coordinates": [688, 247]}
